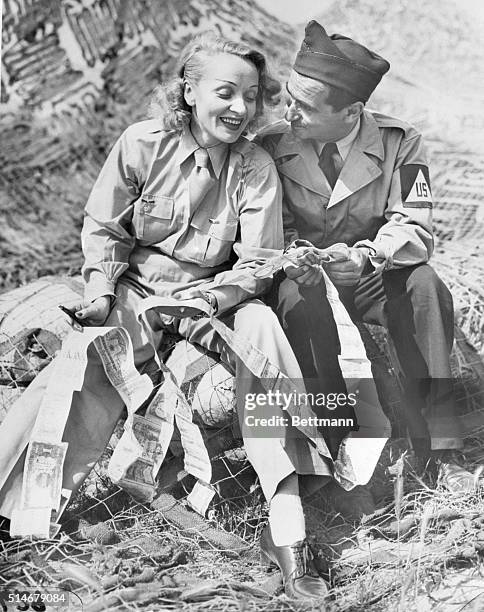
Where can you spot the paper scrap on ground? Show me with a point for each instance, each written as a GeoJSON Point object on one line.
{"type": "Point", "coordinates": [42, 488]}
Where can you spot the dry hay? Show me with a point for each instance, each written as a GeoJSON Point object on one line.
{"type": "Point", "coordinates": [137, 559]}
{"type": "Point", "coordinates": [410, 562]}
{"type": "Point", "coordinates": [118, 550]}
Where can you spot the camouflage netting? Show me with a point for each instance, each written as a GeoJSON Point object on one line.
{"type": "Point", "coordinates": [31, 331]}
{"type": "Point", "coordinates": [74, 75]}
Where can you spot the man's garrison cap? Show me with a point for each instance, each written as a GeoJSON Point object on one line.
{"type": "Point", "coordinates": [339, 61]}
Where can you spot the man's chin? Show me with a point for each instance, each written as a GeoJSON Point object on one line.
{"type": "Point", "coordinates": [299, 131]}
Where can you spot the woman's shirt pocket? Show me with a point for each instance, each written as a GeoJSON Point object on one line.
{"type": "Point", "coordinates": [212, 240]}
{"type": "Point", "coordinates": [154, 217]}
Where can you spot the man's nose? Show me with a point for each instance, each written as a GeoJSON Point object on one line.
{"type": "Point", "coordinates": [291, 112]}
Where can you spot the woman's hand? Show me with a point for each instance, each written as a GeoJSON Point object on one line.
{"type": "Point", "coordinates": [305, 275]}
{"type": "Point", "coordinates": [93, 313]}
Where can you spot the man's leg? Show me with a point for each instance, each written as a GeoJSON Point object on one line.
{"type": "Point", "coordinates": [416, 308]}
{"type": "Point", "coordinates": [302, 311]}
{"type": "Point", "coordinates": [307, 320]}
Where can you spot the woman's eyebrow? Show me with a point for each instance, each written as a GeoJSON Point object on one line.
{"type": "Point", "coordinates": [226, 81]}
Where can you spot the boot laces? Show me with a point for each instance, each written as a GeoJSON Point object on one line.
{"type": "Point", "coordinates": [303, 556]}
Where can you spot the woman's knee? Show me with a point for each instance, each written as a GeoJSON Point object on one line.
{"type": "Point", "coordinates": [255, 316]}
{"type": "Point", "coordinates": [124, 314]}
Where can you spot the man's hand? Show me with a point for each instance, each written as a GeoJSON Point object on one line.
{"type": "Point", "coordinates": [93, 313]}
{"type": "Point", "coordinates": [304, 267]}
{"type": "Point", "coordinates": [348, 273]}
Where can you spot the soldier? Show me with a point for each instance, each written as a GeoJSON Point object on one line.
{"type": "Point", "coordinates": [361, 178]}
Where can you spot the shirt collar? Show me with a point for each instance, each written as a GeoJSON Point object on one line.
{"type": "Point", "coordinates": [218, 155]}
{"type": "Point", "coordinates": [344, 144]}
{"type": "Point", "coordinates": [188, 145]}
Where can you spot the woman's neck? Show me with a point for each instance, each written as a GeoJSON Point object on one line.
{"type": "Point", "coordinates": [202, 139]}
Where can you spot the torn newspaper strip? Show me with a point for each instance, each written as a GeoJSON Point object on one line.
{"type": "Point", "coordinates": [134, 468]}
{"type": "Point", "coordinates": [43, 499]}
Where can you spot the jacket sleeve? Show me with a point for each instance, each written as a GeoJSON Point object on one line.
{"type": "Point", "coordinates": [259, 237]}
{"type": "Point", "coordinates": [106, 239]}
{"type": "Point", "coordinates": [406, 238]}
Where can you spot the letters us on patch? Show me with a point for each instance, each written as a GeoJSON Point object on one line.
{"type": "Point", "coordinates": [415, 186]}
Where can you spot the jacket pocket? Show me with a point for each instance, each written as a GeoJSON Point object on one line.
{"type": "Point", "coordinates": [154, 217]}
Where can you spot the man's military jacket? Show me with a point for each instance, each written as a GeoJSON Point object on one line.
{"type": "Point", "coordinates": [381, 199]}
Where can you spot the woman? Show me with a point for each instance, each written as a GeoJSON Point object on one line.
{"type": "Point", "coordinates": [176, 196]}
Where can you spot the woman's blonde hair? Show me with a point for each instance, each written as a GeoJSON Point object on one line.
{"type": "Point", "coordinates": [168, 104]}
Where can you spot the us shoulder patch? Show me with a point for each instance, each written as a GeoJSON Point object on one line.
{"type": "Point", "coordinates": [415, 186]}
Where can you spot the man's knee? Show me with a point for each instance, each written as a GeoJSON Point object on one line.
{"type": "Point", "coordinates": [288, 295]}
{"type": "Point", "coordinates": [424, 282]}
{"type": "Point", "coordinates": [299, 299]}
{"type": "Point", "coordinates": [419, 300]}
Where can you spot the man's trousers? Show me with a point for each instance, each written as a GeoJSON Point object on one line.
{"type": "Point", "coordinates": [416, 308]}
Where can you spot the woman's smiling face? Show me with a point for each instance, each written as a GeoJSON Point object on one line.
{"type": "Point", "coordinates": [224, 99]}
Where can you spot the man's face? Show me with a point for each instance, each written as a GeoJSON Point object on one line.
{"type": "Point", "coordinates": [310, 115]}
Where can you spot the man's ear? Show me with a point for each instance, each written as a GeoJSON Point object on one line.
{"type": "Point", "coordinates": [353, 111]}
{"type": "Point", "coordinates": [188, 94]}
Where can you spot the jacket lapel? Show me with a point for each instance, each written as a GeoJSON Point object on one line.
{"type": "Point", "coordinates": [360, 169]}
